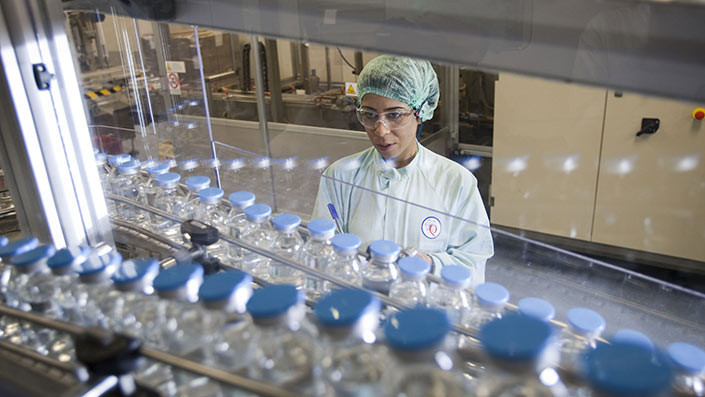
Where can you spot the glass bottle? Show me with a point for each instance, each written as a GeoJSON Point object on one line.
{"type": "Point", "coordinates": [194, 184]}
{"type": "Point", "coordinates": [351, 362]}
{"type": "Point", "coordinates": [689, 363]}
{"type": "Point", "coordinates": [283, 353]}
{"type": "Point", "coordinates": [237, 221]}
{"type": "Point", "coordinates": [411, 287]}
{"type": "Point", "coordinates": [578, 337]}
{"type": "Point", "coordinates": [381, 271]}
{"type": "Point", "coordinates": [129, 186]}
{"type": "Point", "coordinates": [227, 293]}
{"type": "Point", "coordinates": [317, 253]}
{"type": "Point", "coordinates": [287, 244]}
{"type": "Point", "coordinates": [258, 233]}
{"type": "Point", "coordinates": [521, 351]}
{"type": "Point", "coordinates": [451, 295]}
{"type": "Point", "coordinates": [210, 212]}
{"type": "Point", "coordinates": [418, 339]}
{"type": "Point", "coordinates": [150, 188]}
{"type": "Point", "coordinates": [344, 265]}
{"type": "Point", "coordinates": [169, 200]}
{"type": "Point", "coordinates": [188, 328]}
{"type": "Point", "coordinates": [9, 250]}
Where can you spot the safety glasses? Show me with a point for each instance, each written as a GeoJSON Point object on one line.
{"type": "Point", "coordinates": [392, 119]}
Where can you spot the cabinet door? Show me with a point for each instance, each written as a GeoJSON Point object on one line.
{"type": "Point", "coordinates": [545, 155]}
{"type": "Point", "coordinates": [651, 188]}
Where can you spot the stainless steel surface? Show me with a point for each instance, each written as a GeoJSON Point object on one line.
{"type": "Point", "coordinates": [78, 371]}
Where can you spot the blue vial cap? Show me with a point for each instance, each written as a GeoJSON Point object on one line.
{"type": "Point", "coordinates": [416, 329]}
{"type": "Point", "coordinates": [343, 307]}
{"type": "Point", "coordinates": [346, 242]}
{"type": "Point", "coordinates": [18, 246]}
{"type": "Point", "coordinates": [211, 193]}
{"type": "Point", "coordinates": [273, 300]}
{"type": "Point", "coordinates": [687, 357]}
{"type": "Point", "coordinates": [3, 241]}
{"type": "Point", "coordinates": [538, 308]}
{"type": "Point", "coordinates": [129, 165]}
{"type": "Point", "coordinates": [158, 168]}
{"type": "Point", "coordinates": [134, 270]}
{"type": "Point", "coordinates": [286, 221]}
{"type": "Point", "coordinates": [222, 285]}
{"type": "Point", "coordinates": [414, 266]}
{"type": "Point", "coordinates": [515, 337]}
{"type": "Point", "coordinates": [177, 276]}
{"type": "Point", "coordinates": [626, 369]}
{"type": "Point", "coordinates": [97, 264]}
{"type": "Point", "coordinates": [632, 336]}
{"type": "Point", "coordinates": [101, 158]}
{"type": "Point", "coordinates": [456, 275]}
{"type": "Point", "coordinates": [32, 256]}
{"type": "Point", "coordinates": [321, 226]}
{"type": "Point", "coordinates": [68, 257]}
{"type": "Point", "coordinates": [241, 199]}
{"type": "Point", "coordinates": [168, 178]}
{"type": "Point", "coordinates": [384, 249]}
{"type": "Point", "coordinates": [118, 159]}
{"type": "Point", "coordinates": [197, 182]}
{"type": "Point", "coordinates": [585, 321]}
{"type": "Point", "coordinates": [258, 211]}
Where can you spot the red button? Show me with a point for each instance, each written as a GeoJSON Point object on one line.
{"type": "Point", "coordinates": [699, 113]}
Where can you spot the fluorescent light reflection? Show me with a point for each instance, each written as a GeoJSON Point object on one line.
{"type": "Point", "coordinates": [517, 164]}
{"type": "Point", "coordinates": [621, 166]}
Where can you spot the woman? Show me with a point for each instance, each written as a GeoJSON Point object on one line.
{"type": "Point", "coordinates": [398, 190]}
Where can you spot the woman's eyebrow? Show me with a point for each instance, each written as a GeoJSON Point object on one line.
{"type": "Point", "coordinates": [385, 110]}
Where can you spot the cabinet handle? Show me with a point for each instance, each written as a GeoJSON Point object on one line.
{"type": "Point", "coordinates": [648, 126]}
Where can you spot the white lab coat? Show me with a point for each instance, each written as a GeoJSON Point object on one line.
{"type": "Point", "coordinates": [432, 204]}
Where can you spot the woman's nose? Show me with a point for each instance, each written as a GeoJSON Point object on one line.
{"type": "Point", "coordinates": [381, 128]}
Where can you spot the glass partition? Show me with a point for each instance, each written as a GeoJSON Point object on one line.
{"type": "Point", "coordinates": [574, 178]}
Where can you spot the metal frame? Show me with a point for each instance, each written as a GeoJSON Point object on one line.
{"type": "Point", "coordinates": [48, 146]}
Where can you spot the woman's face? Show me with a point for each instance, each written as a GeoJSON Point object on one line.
{"type": "Point", "coordinates": [398, 143]}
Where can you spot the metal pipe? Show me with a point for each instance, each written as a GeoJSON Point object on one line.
{"type": "Point", "coordinates": [305, 67]}
{"type": "Point", "coordinates": [359, 64]}
{"type": "Point", "coordinates": [328, 79]}
{"type": "Point", "coordinates": [275, 92]}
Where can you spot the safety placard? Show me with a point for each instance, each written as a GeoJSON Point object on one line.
{"type": "Point", "coordinates": [175, 66]}
{"type": "Point", "coordinates": [350, 89]}
{"type": "Point", "coordinates": [174, 84]}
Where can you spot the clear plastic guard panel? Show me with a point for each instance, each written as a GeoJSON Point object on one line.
{"type": "Point", "coordinates": [163, 91]}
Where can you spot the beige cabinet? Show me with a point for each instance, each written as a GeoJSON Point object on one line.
{"type": "Point", "coordinates": [651, 188]}
{"type": "Point", "coordinates": [545, 151]}
{"type": "Point", "coordinates": [567, 162]}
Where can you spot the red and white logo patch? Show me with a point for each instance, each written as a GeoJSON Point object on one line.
{"type": "Point", "coordinates": [431, 227]}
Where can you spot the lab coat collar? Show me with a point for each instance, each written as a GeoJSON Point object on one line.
{"type": "Point", "coordinates": [387, 172]}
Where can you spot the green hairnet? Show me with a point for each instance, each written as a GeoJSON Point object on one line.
{"type": "Point", "coordinates": [407, 80]}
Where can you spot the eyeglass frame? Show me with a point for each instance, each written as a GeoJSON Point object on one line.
{"type": "Point", "coordinates": [359, 111]}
